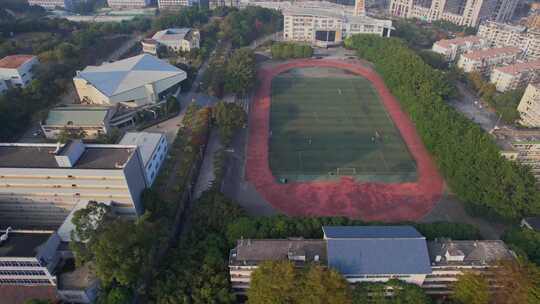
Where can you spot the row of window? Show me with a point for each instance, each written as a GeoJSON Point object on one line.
{"type": "Point", "coordinates": [22, 272]}
{"type": "Point", "coordinates": [19, 264]}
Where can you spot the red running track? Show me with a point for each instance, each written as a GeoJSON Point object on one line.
{"type": "Point", "coordinates": [368, 201]}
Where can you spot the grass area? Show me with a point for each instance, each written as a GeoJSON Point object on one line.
{"type": "Point", "coordinates": [325, 127]}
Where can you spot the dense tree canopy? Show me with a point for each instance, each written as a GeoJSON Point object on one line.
{"type": "Point", "coordinates": [229, 118]}
{"type": "Point", "coordinates": [467, 157]}
{"type": "Point", "coordinates": [524, 241]}
{"type": "Point", "coordinates": [240, 72]}
{"type": "Point", "coordinates": [471, 288]}
{"type": "Point", "coordinates": [377, 293]}
{"type": "Point", "coordinates": [286, 50]}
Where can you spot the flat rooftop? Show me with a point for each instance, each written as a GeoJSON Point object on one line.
{"type": "Point", "coordinates": [42, 156]}
{"type": "Point", "coordinates": [21, 244]}
{"type": "Point", "coordinates": [77, 116]}
{"type": "Point", "coordinates": [249, 251]}
{"type": "Point", "coordinates": [14, 61]}
{"type": "Point", "coordinates": [458, 41]}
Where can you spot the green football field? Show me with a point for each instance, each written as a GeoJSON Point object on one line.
{"type": "Point", "coordinates": [330, 123]}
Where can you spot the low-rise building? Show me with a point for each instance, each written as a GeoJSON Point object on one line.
{"type": "Point", "coordinates": [116, 4]}
{"type": "Point", "coordinates": [451, 49]}
{"type": "Point", "coordinates": [213, 4]}
{"type": "Point", "coordinates": [450, 259]}
{"type": "Point", "coordinates": [359, 253]}
{"type": "Point", "coordinates": [16, 70]}
{"type": "Point", "coordinates": [54, 4]}
{"type": "Point", "coordinates": [132, 82]}
{"type": "Point", "coordinates": [93, 121]}
{"type": "Point", "coordinates": [174, 4]}
{"type": "Point", "coordinates": [324, 27]}
{"type": "Point", "coordinates": [529, 106]}
{"type": "Point", "coordinates": [79, 285]}
{"type": "Point", "coordinates": [153, 148]}
{"type": "Point", "coordinates": [28, 258]}
{"type": "Point", "coordinates": [41, 183]}
{"type": "Point", "coordinates": [514, 76]}
{"type": "Point", "coordinates": [483, 61]}
{"type": "Point", "coordinates": [174, 39]}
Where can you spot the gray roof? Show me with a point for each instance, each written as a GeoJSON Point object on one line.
{"type": "Point", "coordinates": [21, 244]}
{"type": "Point", "coordinates": [146, 141]}
{"type": "Point", "coordinates": [370, 250]}
{"type": "Point", "coordinates": [171, 34]}
{"type": "Point", "coordinates": [473, 252]}
{"type": "Point", "coordinates": [127, 74]}
{"type": "Point", "coordinates": [77, 116]}
{"type": "Point", "coordinates": [252, 252]}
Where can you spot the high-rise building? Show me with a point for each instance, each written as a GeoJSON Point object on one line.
{"type": "Point", "coordinates": [513, 76]}
{"type": "Point", "coordinates": [529, 106]}
{"type": "Point", "coordinates": [483, 61]}
{"type": "Point", "coordinates": [506, 35]}
{"type": "Point", "coordinates": [451, 49]}
{"type": "Point", "coordinates": [461, 12]}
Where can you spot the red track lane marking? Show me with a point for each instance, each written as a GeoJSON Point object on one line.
{"type": "Point", "coordinates": [368, 201]}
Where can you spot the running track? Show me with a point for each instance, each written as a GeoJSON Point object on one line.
{"type": "Point", "coordinates": [345, 197]}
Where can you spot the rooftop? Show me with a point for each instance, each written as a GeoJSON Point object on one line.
{"type": "Point", "coordinates": [171, 34]}
{"type": "Point", "coordinates": [14, 61]}
{"type": "Point", "coordinates": [489, 53]}
{"type": "Point", "coordinates": [365, 250]}
{"type": "Point", "coordinates": [473, 252]}
{"type": "Point", "coordinates": [128, 74]}
{"type": "Point", "coordinates": [534, 222]}
{"type": "Point", "coordinates": [22, 244]}
{"type": "Point", "coordinates": [43, 156]}
{"type": "Point", "coordinates": [331, 13]}
{"type": "Point", "coordinates": [146, 141]}
{"type": "Point", "coordinates": [78, 116]}
{"type": "Point", "coordinates": [248, 252]}
{"type": "Point", "coordinates": [458, 41]}
{"type": "Point", "coordinates": [515, 69]}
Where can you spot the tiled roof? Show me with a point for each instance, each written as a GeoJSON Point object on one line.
{"type": "Point", "coordinates": [458, 41]}
{"type": "Point", "coordinates": [488, 53]}
{"type": "Point", "coordinates": [517, 68]}
{"type": "Point", "coordinates": [14, 61]}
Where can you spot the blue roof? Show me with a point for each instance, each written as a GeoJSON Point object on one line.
{"type": "Point", "coordinates": [351, 232]}
{"type": "Point", "coordinates": [369, 250]}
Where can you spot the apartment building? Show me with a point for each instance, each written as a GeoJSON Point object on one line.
{"type": "Point", "coordinates": [153, 148]}
{"type": "Point", "coordinates": [324, 27]}
{"type": "Point", "coordinates": [41, 183]}
{"type": "Point", "coordinates": [484, 61]}
{"type": "Point", "coordinates": [515, 76]}
{"type": "Point", "coordinates": [213, 4]}
{"type": "Point", "coordinates": [450, 259]}
{"type": "Point", "coordinates": [28, 257]}
{"type": "Point", "coordinates": [92, 121]}
{"type": "Point", "coordinates": [53, 4]}
{"type": "Point", "coordinates": [128, 3]}
{"type": "Point", "coordinates": [174, 39]}
{"type": "Point", "coordinates": [132, 82]}
{"type": "Point", "coordinates": [506, 35]}
{"type": "Point", "coordinates": [529, 106]}
{"type": "Point", "coordinates": [174, 4]}
{"type": "Point", "coordinates": [461, 12]}
{"type": "Point", "coordinates": [451, 49]}
{"type": "Point", "coordinates": [16, 70]}
{"type": "Point", "coordinates": [525, 152]}
{"type": "Point", "coordinates": [359, 253]}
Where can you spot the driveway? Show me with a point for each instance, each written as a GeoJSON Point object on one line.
{"type": "Point", "coordinates": [472, 108]}
{"type": "Point", "coordinates": [206, 172]}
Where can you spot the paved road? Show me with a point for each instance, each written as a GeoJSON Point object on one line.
{"type": "Point", "coordinates": [206, 172]}
{"type": "Point", "coordinates": [472, 108]}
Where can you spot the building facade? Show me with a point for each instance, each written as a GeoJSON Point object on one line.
{"type": "Point", "coordinates": [174, 39]}
{"type": "Point", "coordinates": [128, 3]}
{"type": "Point", "coordinates": [461, 12]}
{"type": "Point", "coordinates": [514, 76]}
{"type": "Point", "coordinates": [484, 61]}
{"type": "Point", "coordinates": [529, 106]}
{"type": "Point", "coordinates": [506, 35]}
{"type": "Point", "coordinates": [326, 27]}
{"type": "Point", "coordinates": [174, 4]}
{"type": "Point", "coordinates": [153, 148]}
{"type": "Point", "coordinates": [28, 258]}
{"type": "Point", "coordinates": [16, 70]}
{"type": "Point", "coordinates": [132, 82]}
{"type": "Point", "coordinates": [53, 4]}
{"type": "Point", "coordinates": [213, 4]}
{"type": "Point", "coordinates": [92, 121]}
{"type": "Point", "coordinates": [41, 183]}
{"type": "Point", "coordinates": [450, 259]}
{"type": "Point", "coordinates": [451, 49]}
{"type": "Point", "coordinates": [526, 153]}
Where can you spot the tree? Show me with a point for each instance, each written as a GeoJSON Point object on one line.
{"type": "Point", "coordinates": [518, 281]}
{"type": "Point", "coordinates": [172, 105]}
{"type": "Point", "coordinates": [71, 133]}
{"type": "Point", "coordinates": [323, 286]}
{"type": "Point", "coordinates": [240, 72]}
{"type": "Point", "coordinates": [391, 292]}
{"type": "Point", "coordinates": [525, 241]}
{"type": "Point", "coordinates": [273, 283]}
{"type": "Point", "coordinates": [471, 288]}
{"type": "Point", "coordinates": [229, 117]}
{"type": "Point", "coordinates": [38, 301]}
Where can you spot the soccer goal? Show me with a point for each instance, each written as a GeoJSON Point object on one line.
{"type": "Point", "coordinates": [346, 171]}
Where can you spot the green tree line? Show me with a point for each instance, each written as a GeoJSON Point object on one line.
{"type": "Point", "coordinates": [470, 161]}
{"type": "Point", "coordinates": [287, 50]}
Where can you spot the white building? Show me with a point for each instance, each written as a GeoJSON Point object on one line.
{"type": "Point", "coordinates": [175, 4]}
{"type": "Point", "coordinates": [323, 27]}
{"type": "Point", "coordinates": [28, 258]}
{"type": "Point", "coordinates": [174, 39]}
{"type": "Point", "coordinates": [128, 3]}
{"type": "Point", "coordinates": [529, 106]}
{"type": "Point", "coordinates": [506, 35]}
{"type": "Point", "coordinates": [451, 49]}
{"type": "Point", "coordinates": [483, 61]}
{"type": "Point", "coordinates": [53, 4]}
{"type": "Point", "coordinates": [514, 76]}
{"type": "Point", "coordinates": [461, 12]}
{"type": "Point", "coordinates": [93, 121]}
{"type": "Point", "coordinates": [16, 70]}
{"type": "Point", "coordinates": [450, 259]}
{"type": "Point", "coordinates": [132, 82]}
{"type": "Point", "coordinates": [153, 148]}
{"type": "Point", "coordinates": [41, 183]}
